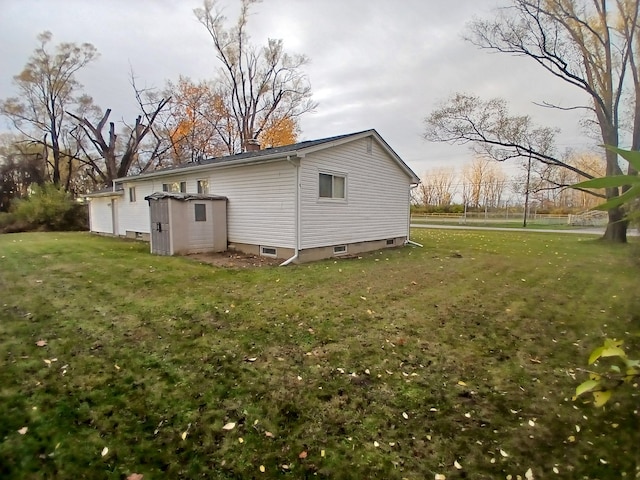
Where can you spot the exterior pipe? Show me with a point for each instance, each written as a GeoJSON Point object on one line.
{"type": "Point", "coordinates": [407, 241]}
{"type": "Point", "coordinates": [297, 216]}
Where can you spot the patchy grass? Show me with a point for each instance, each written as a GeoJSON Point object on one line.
{"type": "Point", "coordinates": [395, 365]}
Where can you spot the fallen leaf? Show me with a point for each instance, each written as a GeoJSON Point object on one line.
{"type": "Point", "coordinates": [457, 465]}
{"type": "Point", "coordinates": [376, 444]}
{"type": "Point", "coordinates": [41, 343]}
{"type": "Point", "coordinates": [135, 476]}
{"type": "Point", "coordinates": [322, 453]}
{"type": "Point", "coordinates": [47, 361]}
{"type": "Point", "coordinates": [241, 440]}
{"type": "Point", "coordinates": [229, 426]}
{"type": "Point", "coordinates": [572, 438]}
{"type": "Point", "coordinates": [461, 383]}
{"type": "Point", "coordinates": [503, 453]}
{"type": "Point", "coordinates": [252, 359]}
{"type": "Point", "coordinates": [285, 467]}
{"type": "Point", "coordinates": [532, 423]}
{"type": "Point", "coordinates": [184, 435]}
{"type": "Point", "coordinates": [529, 475]}
{"type": "Point", "coordinates": [268, 434]}
{"type": "Point", "coordinates": [262, 469]}
{"type": "Point", "coordinates": [303, 454]}
{"type": "Point", "coordinates": [105, 450]}
{"type": "Point", "coordinates": [117, 366]}
{"type": "Point", "coordinates": [555, 470]}
{"type": "Point", "coordinates": [440, 476]}
{"type": "Point", "coordinates": [405, 416]}
{"type": "Point", "coordinates": [23, 430]}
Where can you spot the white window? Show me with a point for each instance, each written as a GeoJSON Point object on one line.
{"type": "Point", "coordinates": [339, 249]}
{"type": "Point", "coordinates": [201, 212]}
{"type": "Point", "coordinates": [175, 187]}
{"type": "Point", "coordinates": [269, 251]}
{"type": "Point", "coordinates": [132, 194]}
{"type": "Point", "coordinates": [391, 241]}
{"type": "Point", "coordinates": [203, 186]}
{"type": "Point", "coordinates": [331, 186]}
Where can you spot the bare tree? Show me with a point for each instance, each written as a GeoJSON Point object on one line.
{"type": "Point", "coordinates": [113, 163]}
{"type": "Point", "coordinates": [48, 88]}
{"type": "Point", "coordinates": [588, 44]}
{"type": "Point", "coordinates": [259, 83]}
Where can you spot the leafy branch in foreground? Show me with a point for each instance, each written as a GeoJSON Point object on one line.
{"type": "Point", "coordinates": [629, 184]}
{"type": "Point", "coordinates": [602, 385]}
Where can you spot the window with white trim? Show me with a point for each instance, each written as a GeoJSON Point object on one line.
{"type": "Point", "coordinates": [203, 186]}
{"type": "Point", "coordinates": [175, 187]}
{"type": "Point", "coordinates": [332, 186]}
{"type": "Point", "coordinates": [339, 249]}
{"type": "Point", "coordinates": [269, 251]}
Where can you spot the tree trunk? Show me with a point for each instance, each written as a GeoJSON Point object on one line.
{"type": "Point", "coordinates": [616, 231]}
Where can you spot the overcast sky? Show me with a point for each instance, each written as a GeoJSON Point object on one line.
{"type": "Point", "coordinates": [382, 64]}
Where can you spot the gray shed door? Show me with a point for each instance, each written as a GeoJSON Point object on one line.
{"type": "Point", "coordinates": [160, 240]}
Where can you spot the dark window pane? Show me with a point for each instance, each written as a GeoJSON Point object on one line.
{"type": "Point", "coordinates": [325, 185]}
{"type": "Point", "coordinates": [201, 212]}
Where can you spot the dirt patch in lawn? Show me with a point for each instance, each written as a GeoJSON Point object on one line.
{"type": "Point", "coordinates": [235, 259]}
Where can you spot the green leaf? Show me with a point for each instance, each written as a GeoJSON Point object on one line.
{"type": "Point", "coordinates": [631, 156]}
{"type": "Point", "coordinates": [600, 398]}
{"type": "Point", "coordinates": [595, 355]}
{"type": "Point", "coordinates": [615, 368]}
{"type": "Point", "coordinates": [613, 352]}
{"type": "Point", "coordinates": [607, 182]}
{"type": "Point", "coordinates": [614, 202]}
{"type": "Point", "coordinates": [585, 387]}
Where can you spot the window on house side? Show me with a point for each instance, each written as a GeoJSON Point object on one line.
{"type": "Point", "coordinates": [268, 251]}
{"type": "Point", "coordinates": [331, 186]}
{"type": "Point", "coordinates": [201, 212]}
{"type": "Point", "coordinates": [339, 249]}
{"type": "Point", "coordinates": [132, 194]}
{"type": "Point", "coordinates": [175, 187]}
{"type": "Point", "coordinates": [203, 186]}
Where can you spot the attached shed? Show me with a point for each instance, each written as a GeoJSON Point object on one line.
{"type": "Point", "coordinates": [183, 223]}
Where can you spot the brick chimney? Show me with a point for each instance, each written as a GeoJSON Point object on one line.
{"type": "Point", "coordinates": [252, 145]}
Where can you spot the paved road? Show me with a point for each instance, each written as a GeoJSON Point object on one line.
{"type": "Point", "coordinates": [583, 231]}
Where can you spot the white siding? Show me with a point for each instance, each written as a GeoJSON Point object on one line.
{"type": "Point", "coordinates": [377, 196]}
{"type": "Point", "coordinates": [134, 216]}
{"type": "Point", "coordinates": [260, 209]}
{"type": "Point", "coordinates": [100, 214]}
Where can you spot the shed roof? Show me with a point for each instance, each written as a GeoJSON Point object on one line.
{"type": "Point", "coordinates": [183, 196]}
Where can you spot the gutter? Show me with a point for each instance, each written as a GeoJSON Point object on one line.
{"type": "Point", "coordinates": [297, 213]}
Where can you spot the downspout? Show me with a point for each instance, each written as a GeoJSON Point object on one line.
{"type": "Point", "coordinates": [297, 214]}
{"type": "Point", "coordinates": [408, 241]}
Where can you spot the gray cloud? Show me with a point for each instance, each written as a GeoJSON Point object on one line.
{"type": "Point", "coordinates": [374, 63]}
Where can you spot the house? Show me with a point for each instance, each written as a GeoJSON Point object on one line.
{"type": "Point", "coordinates": [314, 199]}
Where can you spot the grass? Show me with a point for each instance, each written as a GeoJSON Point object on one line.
{"type": "Point", "coordinates": [394, 365]}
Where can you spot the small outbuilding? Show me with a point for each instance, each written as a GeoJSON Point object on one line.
{"type": "Point", "coordinates": [183, 223]}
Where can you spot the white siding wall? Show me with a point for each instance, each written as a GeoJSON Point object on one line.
{"type": "Point", "coordinates": [377, 191]}
{"type": "Point", "coordinates": [261, 207]}
{"type": "Point", "coordinates": [134, 216]}
{"type": "Point", "coordinates": [260, 210]}
{"type": "Point", "coordinates": [100, 214]}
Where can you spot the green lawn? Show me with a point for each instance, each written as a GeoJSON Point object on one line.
{"type": "Point", "coordinates": [394, 365]}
